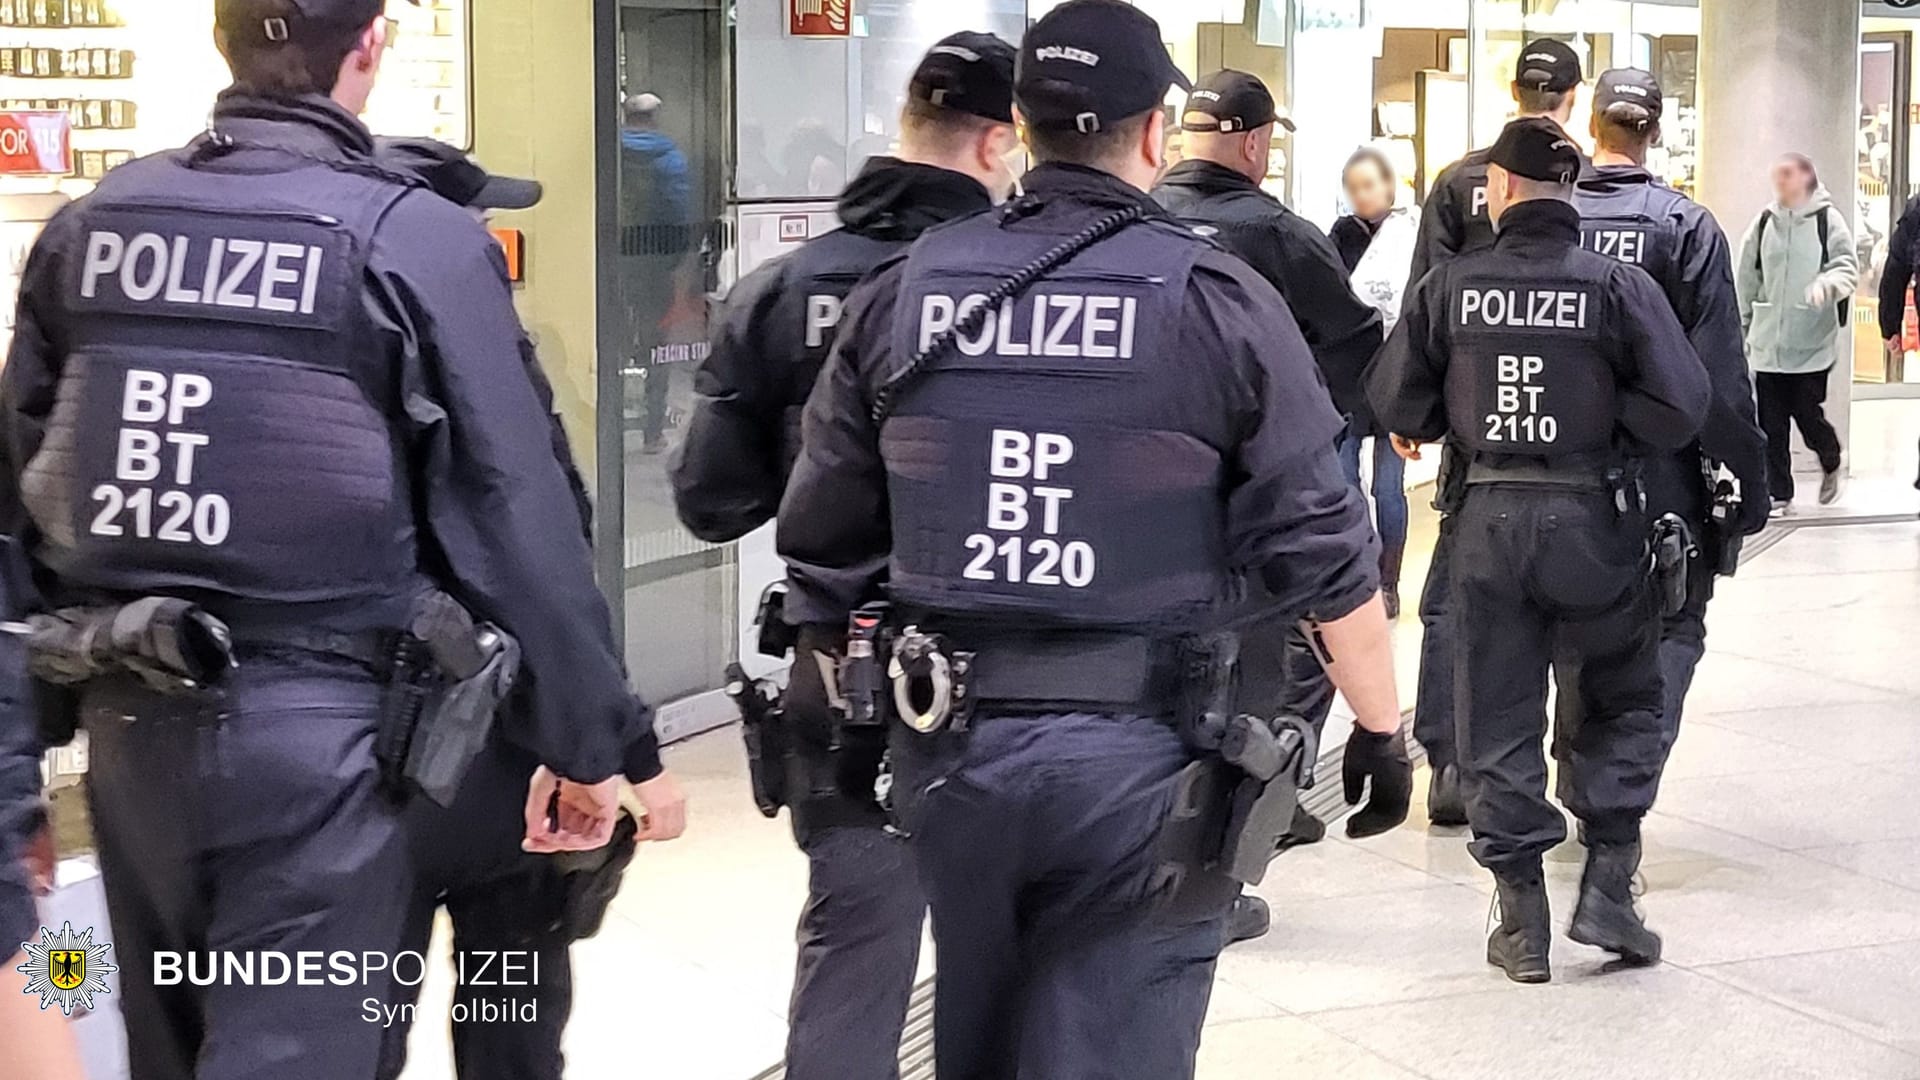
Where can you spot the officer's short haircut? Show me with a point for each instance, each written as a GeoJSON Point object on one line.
{"type": "Point", "coordinates": [938, 128]}
{"type": "Point", "coordinates": [308, 63]}
{"type": "Point", "coordinates": [1528, 188]}
{"type": "Point", "coordinates": [1537, 102]}
{"type": "Point", "coordinates": [1625, 126]}
{"type": "Point", "coordinates": [1100, 150]}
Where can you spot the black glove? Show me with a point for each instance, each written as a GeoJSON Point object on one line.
{"type": "Point", "coordinates": [1384, 759]}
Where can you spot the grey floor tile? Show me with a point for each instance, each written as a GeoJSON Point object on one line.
{"type": "Point", "coordinates": [1707, 750]}
{"type": "Point", "coordinates": [1332, 869]}
{"type": "Point", "coordinates": [1664, 1023]}
{"type": "Point", "coordinates": [1874, 992]}
{"type": "Point", "coordinates": [1288, 1047]}
{"type": "Point", "coordinates": [1818, 806]}
{"type": "Point", "coordinates": [1777, 904]}
{"type": "Point", "coordinates": [1232, 1003]}
{"type": "Point", "coordinates": [1370, 950]}
{"type": "Point", "coordinates": [1728, 683]}
{"type": "Point", "coordinates": [1866, 734]}
{"type": "Point", "coordinates": [1894, 861]}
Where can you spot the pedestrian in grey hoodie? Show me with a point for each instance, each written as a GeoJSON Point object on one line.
{"type": "Point", "coordinates": [1796, 276]}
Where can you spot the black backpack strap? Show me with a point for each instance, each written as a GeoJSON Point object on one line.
{"type": "Point", "coordinates": [1826, 231]}
{"type": "Point", "coordinates": [1760, 243]}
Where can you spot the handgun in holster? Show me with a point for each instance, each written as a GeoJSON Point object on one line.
{"type": "Point", "coordinates": [589, 880]}
{"type": "Point", "coordinates": [446, 678]}
{"type": "Point", "coordinates": [1450, 487]}
{"type": "Point", "coordinates": [763, 730]}
{"type": "Point", "coordinates": [1723, 541]}
{"type": "Point", "coordinates": [1673, 554]}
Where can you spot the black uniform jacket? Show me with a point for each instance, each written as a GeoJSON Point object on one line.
{"type": "Point", "coordinates": [1661, 388]}
{"type": "Point", "coordinates": [1242, 373]}
{"type": "Point", "coordinates": [1297, 259]}
{"type": "Point", "coordinates": [769, 344]}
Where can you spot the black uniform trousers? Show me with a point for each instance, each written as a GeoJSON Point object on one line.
{"type": "Point", "coordinates": [500, 900]}
{"type": "Point", "coordinates": [1534, 569]}
{"type": "Point", "coordinates": [1059, 955]}
{"type": "Point", "coordinates": [246, 821]}
{"type": "Point", "coordinates": [1433, 716]}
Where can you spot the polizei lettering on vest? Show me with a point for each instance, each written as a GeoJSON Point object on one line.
{"type": "Point", "coordinates": [1537, 309]}
{"type": "Point", "coordinates": [234, 272]}
{"type": "Point", "coordinates": [1050, 325]}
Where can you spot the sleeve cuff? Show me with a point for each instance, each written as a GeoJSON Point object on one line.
{"type": "Point", "coordinates": [643, 758]}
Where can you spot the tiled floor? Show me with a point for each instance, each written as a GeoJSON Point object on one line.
{"type": "Point", "coordinates": [1783, 867]}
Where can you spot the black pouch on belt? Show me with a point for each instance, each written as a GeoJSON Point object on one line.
{"type": "Point", "coordinates": [1673, 554]}
{"type": "Point", "coordinates": [1272, 762]}
{"type": "Point", "coordinates": [763, 728]}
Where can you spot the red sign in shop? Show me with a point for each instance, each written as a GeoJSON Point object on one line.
{"type": "Point", "coordinates": [36, 144]}
{"type": "Point", "coordinates": [820, 18]}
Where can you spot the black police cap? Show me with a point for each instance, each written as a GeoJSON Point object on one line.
{"type": "Point", "coordinates": [240, 19]}
{"type": "Point", "coordinates": [1536, 148]}
{"type": "Point", "coordinates": [968, 72]}
{"type": "Point", "coordinates": [1630, 86]}
{"type": "Point", "coordinates": [1230, 101]}
{"type": "Point", "coordinates": [1548, 65]}
{"type": "Point", "coordinates": [456, 177]}
{"type": "Point", "coordinates": [1089, 64]}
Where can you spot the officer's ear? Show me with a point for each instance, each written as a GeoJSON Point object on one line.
{"type": "Point", "coordinates": [1153, 139]}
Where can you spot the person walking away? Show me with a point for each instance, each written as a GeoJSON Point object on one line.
{"type": "Point", "coordinates": [1797, 272]}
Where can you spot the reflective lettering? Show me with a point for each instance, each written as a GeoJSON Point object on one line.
{"type": "Point", "coordinates": [133, 284]}
{"type": "Point", "coordinates": [176, 294]}
{"type": "Point", "coordinates": [139, 457]}
{"type": "Point", "coordinates": [1051, 497]}
{"type": "Point", "coordinates": [936, 318]}
{"type": "Point", "coordinates": [1477, 204]}
{"type": "Point", "coordinates": [982, 340]}
{"type": "Point", "coordinates": [104, 252]}
{"type": "Point", "coordinates": [185, 443]}
{"type": "Point", "coordinates": [1011, 453]}
{"type": "Point", "coordinates": [273, 275]}
{"type": "Point", "coordinates": [1539, 309]}
{"type": "Point", "coordinates": [1006, 507]}
{"type": "Point", "coordinates": [1049, 451]}
{"type": "Point", "coordinates": [1095, 324]}
{"type": "Point", "coordinates": [823, 315]}
{"type": "Point", "coordinates": [249, 252]}
{"type": "Point", "coordinates": [1006, 346]}
{"type": "Point", "coordinates": [144, 401]}
{"type": "Point", "coordinates": [1057, 338]}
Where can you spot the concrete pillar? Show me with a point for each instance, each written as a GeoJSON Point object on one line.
{"type": "Point", "coordinates": [1779, 75]}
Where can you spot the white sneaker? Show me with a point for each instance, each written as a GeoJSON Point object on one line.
{"type": "Point", "coordinates": [1782, 508]}
{"type": "Point", "coordinates": [1830, 488]}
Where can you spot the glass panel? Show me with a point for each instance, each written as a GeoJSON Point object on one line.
{"type": "Point", "coordinates": [1881, 126]}
{"type": "Point", "coordinates": [671, 198]}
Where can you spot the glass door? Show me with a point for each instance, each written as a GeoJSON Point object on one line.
{"type": "Point", "coordinates": [1880, 187]}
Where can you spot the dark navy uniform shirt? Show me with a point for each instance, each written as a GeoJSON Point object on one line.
{"type": "Point", "coordinates": [496, 520]}
{"type": "Point", "coordinates": [1238, 380]}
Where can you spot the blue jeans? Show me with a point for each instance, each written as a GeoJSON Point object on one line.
{"type": "Point", "coordinates": [1389, 495]}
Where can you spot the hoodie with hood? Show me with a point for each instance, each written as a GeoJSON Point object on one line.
{"type": "Point", "coordinates": [773, 335]}
{"type": "Point", "coordinates": [1791, 291]}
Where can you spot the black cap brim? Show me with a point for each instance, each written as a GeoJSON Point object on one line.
{"type": "Point", "coordinates": [508, 193]}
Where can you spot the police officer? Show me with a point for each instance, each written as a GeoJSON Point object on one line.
{"type": "Point", "coordinates": [269, 304]}
{"type": "Point", "coordinates": [1629, 214]}
{"type": "Point", "coordinates": [501, 900]}
{"type": "Point", "coordinates": [860, 930]}
{"type": "Point", "coordinates": [1455, 221]}
{"type": "Point", "coordinates": [1556, 371]}
{"type": "Point", "coordinates": [1229, 127]}
{"type": "Point", "coordinates": [1060, 437]}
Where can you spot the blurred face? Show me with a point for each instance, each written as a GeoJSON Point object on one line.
{"type": "Point", "coordinates": [1792, 184]}
{"type": "Point", "coordinates": [1368, 191]}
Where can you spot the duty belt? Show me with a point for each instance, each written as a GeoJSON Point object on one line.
{"type": "Point", "coordinates": [1535, 474]}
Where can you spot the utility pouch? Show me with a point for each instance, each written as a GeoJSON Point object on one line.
{"type": "Point", "coordinates": [1450, 489]}
{"type": "Point", "coordinates": [863, 670]}
{"type": "Point", "coordinates": [174, 646]}
{"type": "Point", "coordinates": [589, 880]}
{"type": "Point", "coordinates": [1723, 539]}
{"type": "Point", "coordinates": [1673, 552]}
{"type": "Point", "coordinates": [763, 728]}
{"type": "Point", "coordinates": [775, 637]}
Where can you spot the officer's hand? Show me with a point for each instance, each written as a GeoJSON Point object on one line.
{"type": "Point", "coordinates": [1896, 347]}
{"type": "Point", "coordinates": [565, 816]}
{"type": "Point", "coordinates": [1408, 449]}
{"type": "Point", "coordinates": [666, 808]}
{"type": "Point", "coordinates": [41, 860]}
{"type": "Point", "coordinates": [1382, 759]}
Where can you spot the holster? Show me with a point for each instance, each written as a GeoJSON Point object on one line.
{"type": "Point", "coordinates": [589, 880]}
{"type": "Point", "coordinates": [1673, 554]}
{"type": "Point", "coordinates": [763, 729]}
{"type": "Point", "coordinates": [446, 677]}
{"type": "Point", "coordinates": [1450, 488]}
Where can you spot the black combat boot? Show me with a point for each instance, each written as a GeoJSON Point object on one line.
{"type": "Point", "coordinates": [1250, 918]}
{"type": "Point", "coordinates": [1605, 917]}
{"type": "Point", "coordinates": [1305, 829]}
{"type": "Point", "coordinates": [1445, 805]}
{"type": "Point", "coordinates": [1520, 943]}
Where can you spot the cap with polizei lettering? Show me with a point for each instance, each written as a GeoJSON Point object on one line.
{"type": "Point", "coordinates": [970, 73]}
{"type": "Point", "coordinates": [240, 18]}
{"type": "Point", "coordinates": [1536, 148]}
{"type": "Point", "coordinates": [1231, 101]}
{"type": "Point", "coordinates": [1089, 64]}
{"type": "Point", "coordinates": [1630, 86]}
{"type": "Point", "coordinates": [1546, 64]}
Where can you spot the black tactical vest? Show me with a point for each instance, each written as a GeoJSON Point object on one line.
{"type": "Point", "coordinates": [1038, 470]}
{"type": "Point", "coordinates": [1631, 226]}
{"type": "Point", "coordinates": [1529, 375]}
{"type": "Point", "coordinates": [220, 427]}
{"type": "Point", "coordinates": [821, 274]}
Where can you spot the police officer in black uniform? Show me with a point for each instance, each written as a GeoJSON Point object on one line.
{"type": "Point", "coordinates": [1453, 222]}
{"type": "Point", "coordinates": [1556, 371]}
{"type": "Point", "coordinates": [1062, 437]}
{"type": "Point", "coordinates": [269, 375]}
{"type": "Point", "coordinates": [1229, 127]}
{"type": "Point", "coordinates": [860, 931]}
{"type": "Point", "coordinates": [1629, 214]}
